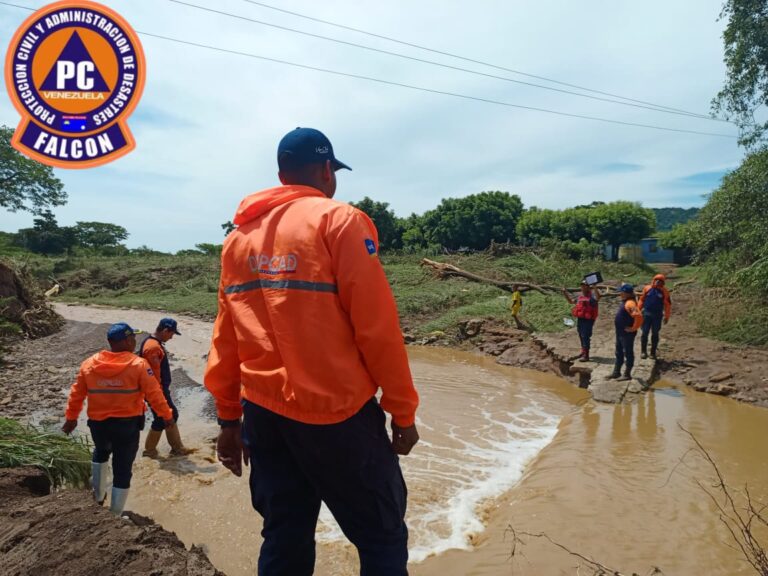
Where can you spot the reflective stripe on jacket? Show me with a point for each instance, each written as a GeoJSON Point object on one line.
{"type": "Point", "coordinates": [116, 384]}
{"type": "Point", "coordinates": [307, 325]}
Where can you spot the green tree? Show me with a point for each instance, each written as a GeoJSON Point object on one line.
{"type": "Point", "coordinates": [99, 235]}
{"type": "Point", "coordinates": [745, 91]}
{"type": "Point", "coordinates": [210, 249]}
{"type": "Point", "coordinates": [26, 184]}
{"type": "Point", "coordinates": [573, 224]}
{"type": "Point", "coordinates": [535, 226]}
{"type": "Point", "coordinates": [390, 232]}
{"type": "Point", "coordinates": [228, 227]}
{"type": "Point", "coordinates": [621, 223]}
{"type": "Point", "coordinates": [731, 230]}
{"type": "Point", "coordinates": [46, 236]}
{"type": "Point", "coordinates": [474, 221]}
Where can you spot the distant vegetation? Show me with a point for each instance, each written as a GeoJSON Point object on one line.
{"type": "Point", "coordinates": [668, 218]}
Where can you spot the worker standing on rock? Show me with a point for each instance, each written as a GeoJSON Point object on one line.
{"type": "Point", "coordinates": [656, 306]}
{"type": "Point", "coordinates": [585, 310]}
{"type": "Point", "coordinates": [307, 332]}
{"type": "Point", "coordinates": [628, 321]}
{"type": "Point", "coordinates": [153, 351]}
{"type": "Point", "coordinates": [116, 383]}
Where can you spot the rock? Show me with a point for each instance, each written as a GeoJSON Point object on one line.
{"type": "Point", "coordinates": [470, 328]}
{"type": "Point", "coordinates": [723, 389]}
{"type": "Point", "coordinates": [699, 386]}
{"type": "Point", "coordinates": [635, 387]}
{"type": "Point", "coordinates": [409, 338]}
{"type": "Point", "coordinates": [720, 377]}
{"type": "Point", "coordinates": [609, 391]}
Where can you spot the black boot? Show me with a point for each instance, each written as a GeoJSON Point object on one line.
{"type": "Point", "coordinates": [627, 376]}
{"type": "Point", "coordinates": [615, 374]}
{"type": "Point", "coordinates": [653, 353]}
{"type": "Point", "coordinates": [644, 355]}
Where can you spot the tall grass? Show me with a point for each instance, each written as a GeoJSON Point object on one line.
{"type": "Point", "coordinates": [64, 460]}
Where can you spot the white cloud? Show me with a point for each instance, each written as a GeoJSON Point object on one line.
{"type": "Point", "coordinates": [208, 124]}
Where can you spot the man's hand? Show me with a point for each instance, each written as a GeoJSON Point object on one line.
{"type": "Point", "coordinates": [69, 426]}
{"type": "Point", "coordinates": [665, 321]}
{"type": "Point", "coordinates": [403, 439]}
{"type": "Point", "coordinates": [230, 450]}
{"type": "Point", "coordinates": [628, 330]}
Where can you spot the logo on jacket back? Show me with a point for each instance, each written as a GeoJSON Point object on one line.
{"type": "Point", "coordinates": [74, 71]}
{"type": "Point", "coordinates": [108, 383]}
{"type": "Point", "coordinates": [268, 264]}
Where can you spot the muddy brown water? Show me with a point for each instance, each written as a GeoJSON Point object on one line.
{"type": "Point", "coordinates": [501, 449]}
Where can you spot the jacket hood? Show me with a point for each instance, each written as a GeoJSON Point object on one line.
{"type": "Point", "coordinates": [107, 363]}
{"type": "Point", "coordinates": [262, 202]}
{"type": "Point", "coordinates": [659, 278]}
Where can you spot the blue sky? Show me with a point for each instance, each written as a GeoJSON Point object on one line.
{"type": "Point", "coordinates": [208, 124]}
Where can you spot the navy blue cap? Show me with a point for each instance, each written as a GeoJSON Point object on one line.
{"type": "Point", "coordinates": [121, 331]}
{"type": "Point", "coordinates": [628, 288]}
{"type": "Point", "coordinates": [170, 324]}
{"type": "Point", "coordinates": [304, 146]}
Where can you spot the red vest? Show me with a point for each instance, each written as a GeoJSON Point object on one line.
{"type": "Point", "coordinates": [586, 307]}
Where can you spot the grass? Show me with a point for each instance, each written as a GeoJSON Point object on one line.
{"type": "Point", "coordinates": [64, 460]}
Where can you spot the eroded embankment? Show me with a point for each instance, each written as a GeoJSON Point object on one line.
{"type": "Point", "coordinates": [67, 534]}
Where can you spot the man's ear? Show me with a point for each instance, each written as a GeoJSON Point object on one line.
{"type": "Point", "coordinates": [327, 171]}
{"type": "Point", "coordinates": [282, 178]}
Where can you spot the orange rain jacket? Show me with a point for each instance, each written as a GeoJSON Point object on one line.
{"type": "Point", "coordinates": [116, 384]}
{"type": "Point", "coordinates": [307, 324]}
{"type": "Point", "coordinates": [153, 352]}
{"type": "Point", "coordinates": [667, 298]}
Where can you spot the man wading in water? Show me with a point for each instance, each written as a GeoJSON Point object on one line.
{"type": "Point", "coordinates": [116, 383]}
{"type": "Point", "coordinates": [307, 333]}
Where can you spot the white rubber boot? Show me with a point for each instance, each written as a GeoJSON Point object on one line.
{"type": "Point", "coordinates": [99, 480]}
{"type": "Point", "coordinates": [119, 496]}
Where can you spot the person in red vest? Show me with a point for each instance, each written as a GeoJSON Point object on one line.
{"type": "Point", "coordinates": [585, 310]}
{"type": "Point", "coordinates": [656, 305]}
{"type": "Point", "coordinates": [307, 334]}
{"type": "Point", "coordinates": [116, 383]}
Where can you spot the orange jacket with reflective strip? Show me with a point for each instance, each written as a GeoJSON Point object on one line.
{"type": "Point", "coordinates": [116, 384]}
{"type": "Point", "coordinates": [307, 325]}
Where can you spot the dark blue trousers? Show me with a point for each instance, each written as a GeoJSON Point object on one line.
{"type": "Point", "coordinates": [625, 350]}
{"type": "Point", "coordinates": [652, 324]}
{"type": "Point", "coordinates": [158, 423]}
{"type": "Point", "coordinates": [584, 328]}
{"type": "Point", "coordinates": [119, 438]}
{"type": "Point", "coordinates": [350, 466]}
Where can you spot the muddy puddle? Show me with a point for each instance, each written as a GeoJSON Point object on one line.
{"type": "Point", "coordinates": [500, 448]}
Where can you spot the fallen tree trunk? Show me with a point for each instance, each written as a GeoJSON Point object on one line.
{"type": "Point", "coordinates": [449, 270]}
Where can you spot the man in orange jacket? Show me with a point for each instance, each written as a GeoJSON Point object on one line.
{"type": "Point", "coordinates": [116, 383]}
{"type": "Point", "coordinates": [153, 350]}
{"type": "Point", "coordinates": [656, 305]}
{"type": "Point", "coordinates": [627, 322]}
{"type": "Point", "coordinates": [307, 332]}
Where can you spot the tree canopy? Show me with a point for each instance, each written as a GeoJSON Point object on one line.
{"type": "Point", "coordinates": [474, 221]}
{"type": "Point", "coordinates": [26, 184]}
{"type": "Point", "coordinates": [746, 59]}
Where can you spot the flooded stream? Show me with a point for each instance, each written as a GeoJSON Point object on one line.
{"type": "Point", "coordinates": [500, 448]}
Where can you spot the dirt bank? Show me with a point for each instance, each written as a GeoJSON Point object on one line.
{"type": "Point", "coordinates": [67, 534]}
